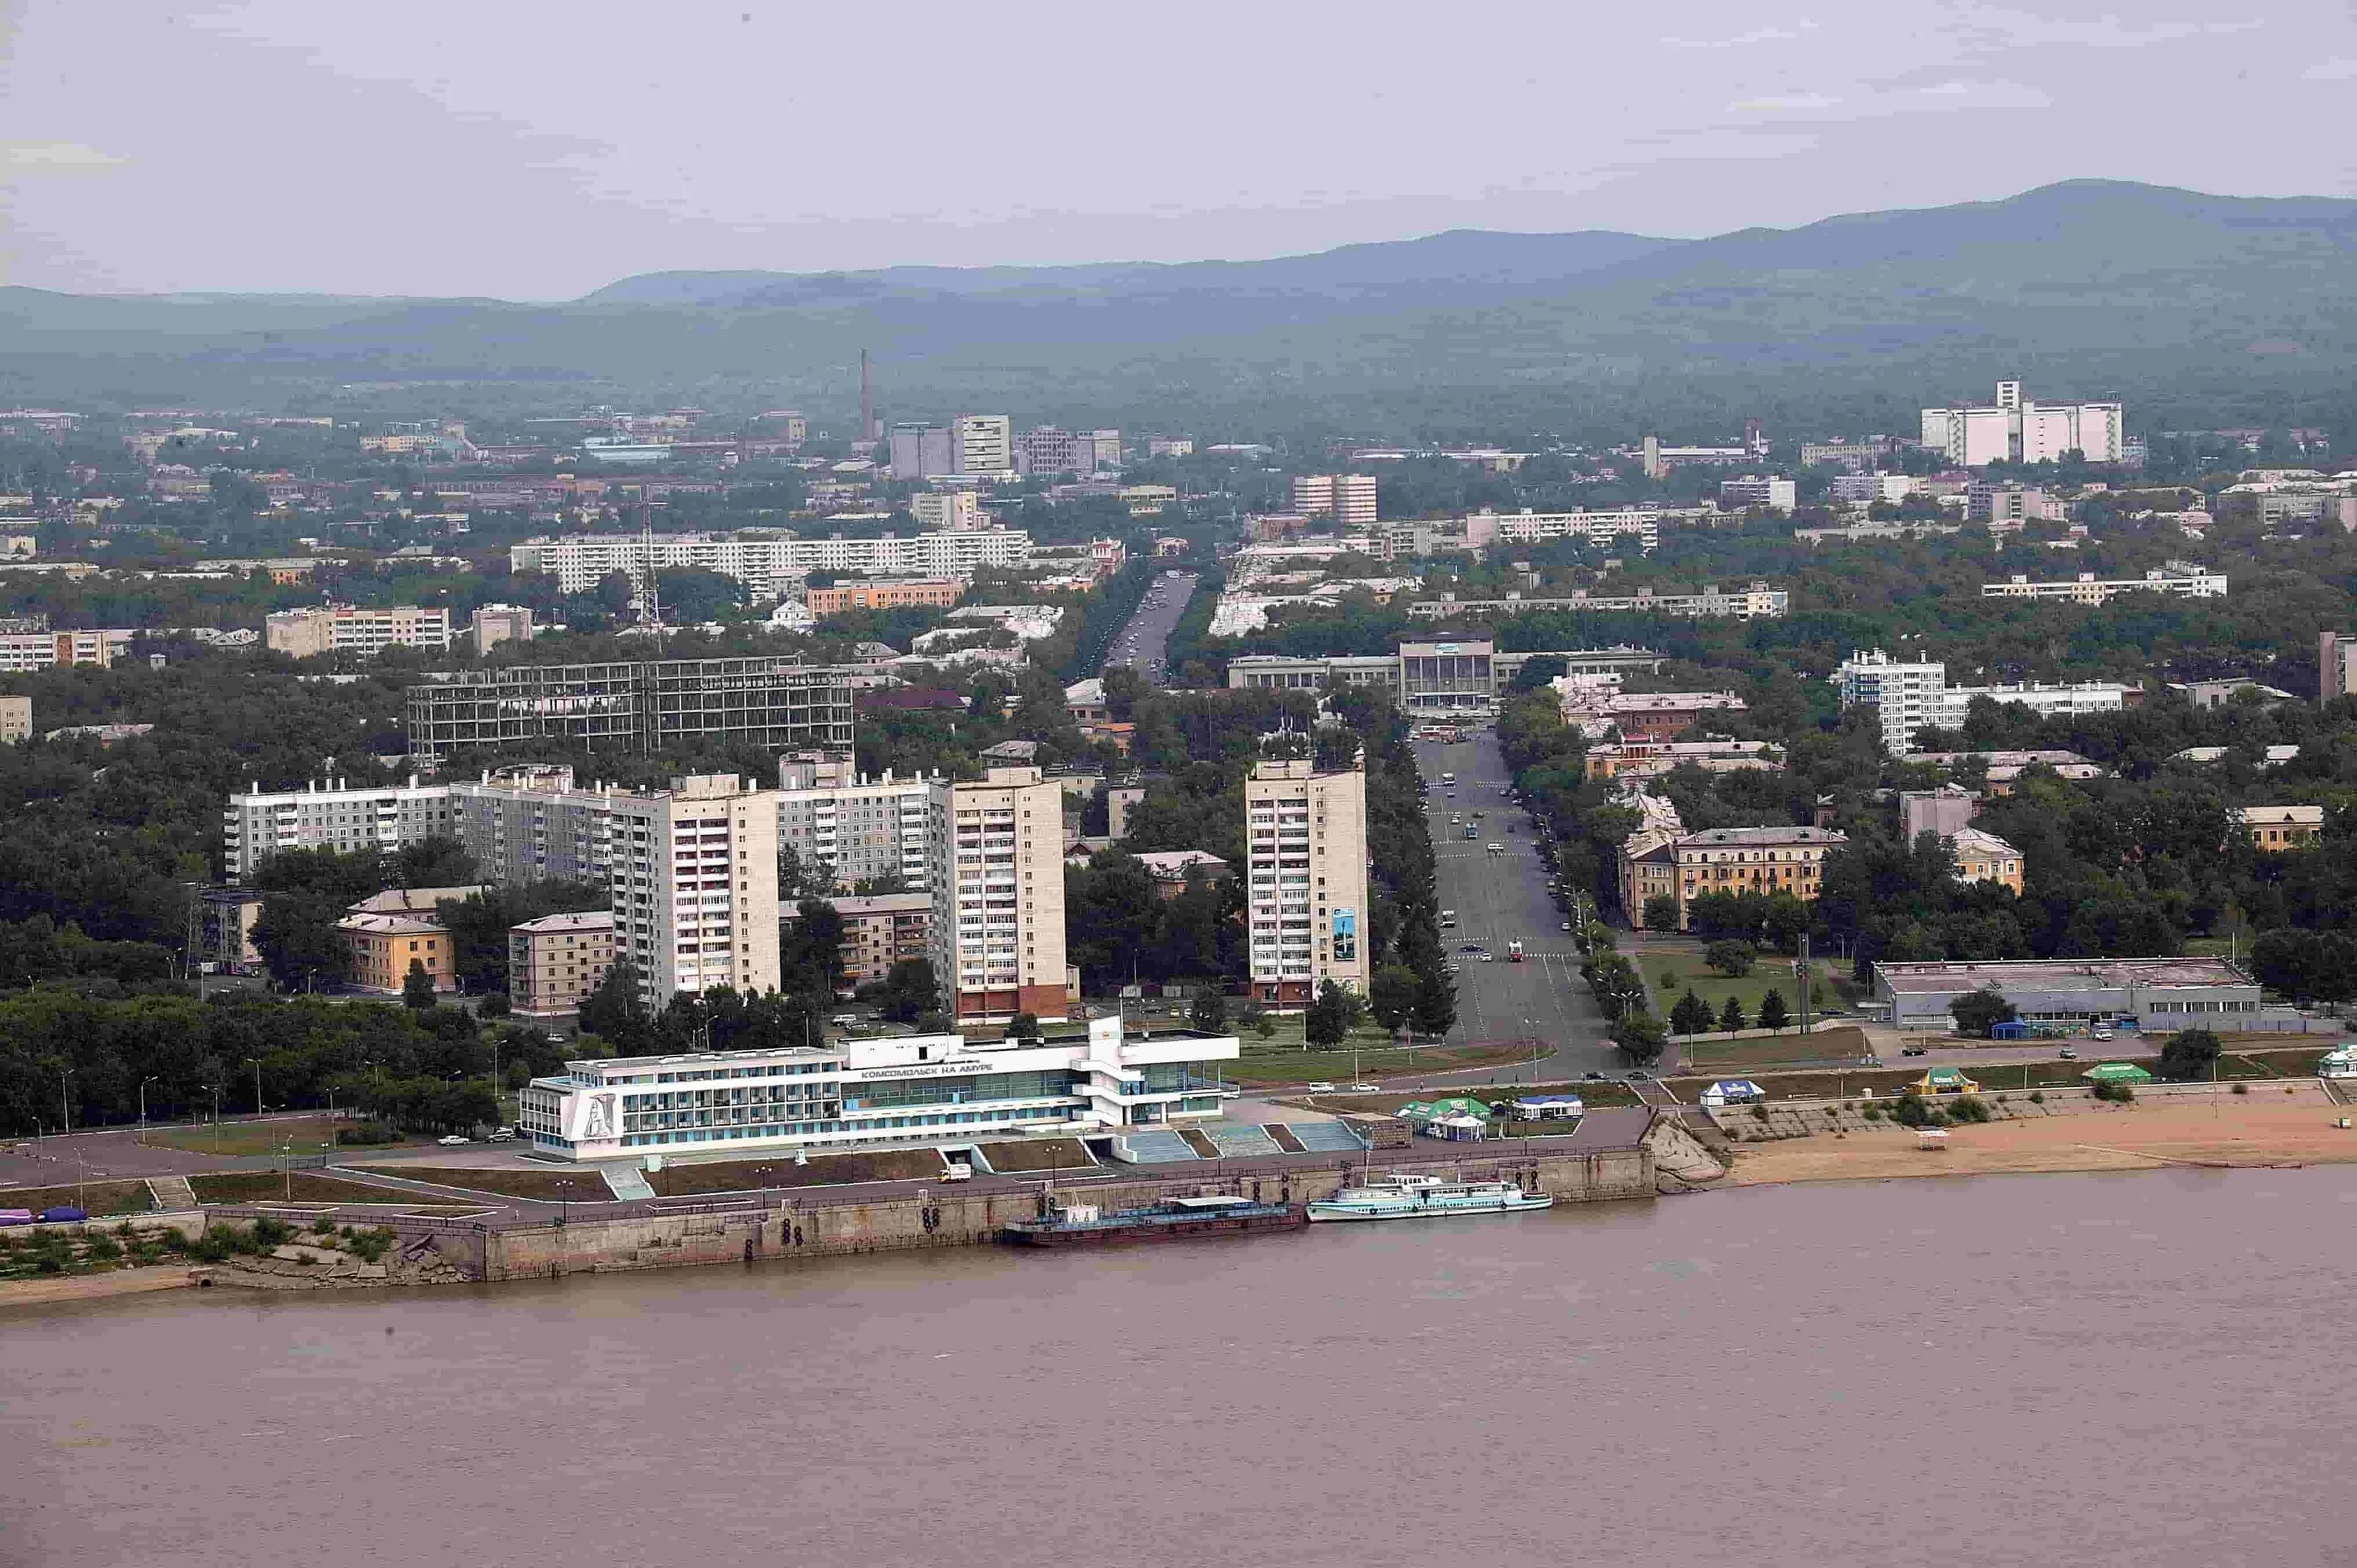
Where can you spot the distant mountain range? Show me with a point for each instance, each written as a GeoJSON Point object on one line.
{"type": "Point", "coordinates": [2194, 307]}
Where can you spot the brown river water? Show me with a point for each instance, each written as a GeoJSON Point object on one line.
{"type": "Point", "coordinates": [2146, 1368]}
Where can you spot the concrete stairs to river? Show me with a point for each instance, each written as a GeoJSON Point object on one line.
{"type": "Point", "coordinates": [172, 1193]}
{"type": "Point", "coordinates": [627, 1181]}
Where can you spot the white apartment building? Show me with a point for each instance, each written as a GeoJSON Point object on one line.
{"type": "Point", "coordinates": [1306, 854]}
{"type": "Point", "coordinates": [533, 825]}
{"type": "Point", "coordinates": [1756, 602]}
{"type": "Point", "coordinates": [1642, 523]}
{"type": "Point", "coordinates": [348, 629]}
{"type": "Point", "coordinates": [1865, 489]}
{"type": "Point", "coordinates": [995, 850]}
{"type": "Point", "coordinates": [983, 444]}
{"type": "Point", "coordinates": [2183, 581]}
{"type": "Point", "coordinates": [1908, 693]}
{"type": "Point", "coordinates": [695, 879]}
{"type": "Point", "coordinates": [767, 563]}
{"type": "Point", "coordinates": [329, 814]}
{"type": "Point", "coordinates": [1914, 696]}
{"type": "Point", "coordinates": [24, 651]}
{"type": "Point", "coordinates": [1750, 491]}
{"type": "Point", "coordinates": [1348, 498]}
{"type": "Point", "coordinates": [859, 827]}
{"type": "Point", "coordinates": [947, 511]}
{"type": "Point", "coordinates": [2015, 430]}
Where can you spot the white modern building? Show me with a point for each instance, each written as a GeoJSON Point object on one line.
{"type": "Point", "coordinates": [1306, 854]}
{"type": "Point", "coordinates": [1348, 498]}
{"type": "Point", "coordinates": [1912, 696]}
{"type": "Point", "coordinates": [694, 872]}
{"type": "Point", "coordinates": [1759, 489]}
{"type": "Point", "coordinates": [2015, 430]}
{"type": "Point", "coordinates": [1757, 601]}
{"type": "Point", "coordinates": [2181, 582]}
{"type": "Point", "coordinates": [767, 563]}
{"type": "Point", "coordinates": [983, 444]}
{"type": "Point", "coordinates": [996, 868]}
{"type": "Point", "coordinates": [1463, 675]}
{"type": "Point", "coordinates": [348, 629]}
{"type": "Point", "coordinates": [329, 814]}
{"type": "Point", "coordinates": [533, 825]}
{"type": "Point", "coordinates": [947, 511]}
{"type": "Point", "coordinates": [906, 1091]}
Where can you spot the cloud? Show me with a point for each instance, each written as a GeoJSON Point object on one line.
{"type": "Point", "coordinates": [2022, 30]}
{"type": "Point", "coordinates": [1788, 103]}
{"type": "Point", "coordinates": [2331, 71]}
{"type": "Point", "coordinates": [55, 157]}
{"type": "Point", "coordinates": [1744, 41]}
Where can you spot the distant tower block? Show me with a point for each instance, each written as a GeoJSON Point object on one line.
{"type": "Point", "coordinates": [866, 401]}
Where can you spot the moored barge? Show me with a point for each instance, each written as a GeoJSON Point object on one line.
{"type": "Point", "coordinates": [1176, 1219]}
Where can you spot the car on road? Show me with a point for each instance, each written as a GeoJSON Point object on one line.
{"type": "Point", "coordinates": [1454, 968]}
{"type": "Point", "coordinates": [1911, 1050]}
{"type": "Point", "coordinates": [1470, 947]}
{"type": "Point", "coordinates": [2069, 1054]}
{"type": "Point", "coordinates": [1321, 1087]}
{"type": "Point", "coordinates": [1594, 1078]}
{"type": "Point", "coordinates": [1489, 957]}
{"type": "Point", "coordinates": [1567, 924]}
{"type": "Point", "coordinates": [501, 1135]}
{"type": "Point", "coordinates": [2099, 1034]}
{"type": "Point", "coordinates": [454, 1141]}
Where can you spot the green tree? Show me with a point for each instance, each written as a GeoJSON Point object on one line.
{"type": "Point", "coordinates": [1640, 1036]}
{"type": "Point", "coordinates": [908, 990]}
{"type": "Point", "coordinates": [1976, 1013]}
{"type": "Point", "coordinates": [613, 1010]}
{"type": "Point", "coordinates": [1730, 1017]}
{"type": "Point", "coordinates": [1330, 1016]}
{"type": "Point", "coordinates": [1023, 1026]}
{"type": "Point", "coordinates": [1209, 1011]}
{"type": "Point", "coordinates": [1691, 1017]}
{"type": "Point", "coordinates": [1661, 913]}
{"type": "Point", "coordinates": [417, 986]}
{"type": "Point", "coordinates": [2188, 1054]}
{"type": "Point", "coordinates": [1436, 1004]}
{"type": "Point", "coordinates": [1730, 958]}
{"type": "Point", "coordinates": [1391, 994]}
{"type": "Point", "coordinates": [1772, 1014]}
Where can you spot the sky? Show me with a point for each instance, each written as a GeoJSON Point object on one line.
{"type": "Point", "coordinates": [530, 149]}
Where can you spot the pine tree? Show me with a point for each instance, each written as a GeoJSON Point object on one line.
{"type": "Point", "coordinates": [1771, 1011]}
{"type": "Point", "coordinates": [1730, 1017]}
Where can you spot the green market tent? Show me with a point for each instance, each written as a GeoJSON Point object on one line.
{"type": "Point", "coordinates": [2116, 1072]}
{"type": "Point", "coordinates": [1461, 1105]}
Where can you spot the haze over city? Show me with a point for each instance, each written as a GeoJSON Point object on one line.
{"type": "Point", "coordinates": [538, 151]}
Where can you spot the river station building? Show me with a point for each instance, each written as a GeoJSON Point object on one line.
{"type": "Point", "coordinates": [907, 1091]}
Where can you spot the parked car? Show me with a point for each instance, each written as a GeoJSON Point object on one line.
{"type": "Point", "coordinates": [2100, 1034]}
{"type": "Point", "coordinates": [1911, 1050]}
{"type": "Point", "coordinates": [501, 1135]}
{"type": "Point", "coordinates": [454, 1141]}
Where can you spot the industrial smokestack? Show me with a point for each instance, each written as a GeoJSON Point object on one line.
{"type": "Point", "coordinates": [866, 401]}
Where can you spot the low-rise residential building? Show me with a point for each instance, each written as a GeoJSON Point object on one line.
{"type": "Point", "coordinates": [2069, 996]}
{"type": "Point", "coordinates": [385, 946]}
{"type": "Point", "coordinates": [1650, 759]}
{"type": "Point", "coordinates": [558, 960]}
{"type": "Point", "coordinates": [1172, 869]}
{"type": "Point", "coordinates": [901, 1091]}
{"type": "Point", "coordinates": [349, 628]}
{"type": "Point", "coordinates": [1982, 856]}
{"type": "Point", "coordinates": [16, 720]}
{"type": "Point", "coordinates": [885, 594]}
{"type": "Point", "coordinates": [879, 930]}
{"type": "Point", "coordinates": [2281, 827]}
{"type": "Point", "coordinates": [24, 651]}
{"type": "Point", "coordinates": [227, 918]}
{"type": "Point", "coordinates": [947, 511]}
{"type": "Point", "coordinates": [1764, 860]}
{"type": "Point", "coordinates": [2003, 770]}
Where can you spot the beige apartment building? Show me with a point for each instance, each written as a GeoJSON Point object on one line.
{"type": "Point", "coordinates": [995, 854]}
{"type": "Point", "coordinates": [1730, 860]}
{"type": "Point", "coordinates": [693, 871]}
{"type": "Point", "coordinates": [558, 960]}
{"type": "Point", "coordinates": [1306, 849]}
{"type": "Point", "coordinates": [16, 720]}
{"type": "Point", "coordinates": [384, 946]}
{"type": "Point", "coordinates": [347, 628]}
{"type": "Point", "coordinates": [879, 930]}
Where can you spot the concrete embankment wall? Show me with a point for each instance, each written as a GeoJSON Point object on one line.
{"type": "Point", "coordinates": [948, 1217]}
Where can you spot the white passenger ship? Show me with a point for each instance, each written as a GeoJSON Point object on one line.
{"type": "Point", "coordinates": [1425, 1196]}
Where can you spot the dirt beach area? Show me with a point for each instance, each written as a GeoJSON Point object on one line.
{"type": "Point", "coordinates": [2256, 1130]}
{"type": "Point", "coordinates": [97, 1287]}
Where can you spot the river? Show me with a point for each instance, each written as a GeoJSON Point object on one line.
{"type": "Point", "coordinates": [2058, 1369]}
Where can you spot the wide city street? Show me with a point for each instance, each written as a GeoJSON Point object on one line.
{"type": "Point", "coordinates": [1500, 898]}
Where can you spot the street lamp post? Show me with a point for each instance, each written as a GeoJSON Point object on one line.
{"type": "Point", "coordinates": [256, 1062]}
{"type": "Point", "coordinates": [143, 1109]}
{"type": "Point", "coordinates": [65, 1106]}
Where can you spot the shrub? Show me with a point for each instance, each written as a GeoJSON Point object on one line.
{"type": "Point", "coordinates": [2242, 1089]}
{"type": "Point", "coordinates": [269, 1232]}
{"type": "Point", "coordinates": [367, 1134]}
{"type": "Point", "coordinates": [2119, 1093]}
{"type": "Point", "coordinates": [2038, 1097]}
{"type": "Point", "coordinates": [1872, 1113]}
{"type": "Point", "coordinates": [1759, 1112]}
{"type": "Point", "coordinates": [1911, 1110]}
{"type": "Point", "coordinates": [1968, 1109]}
{"type": "Point", "coordinates": [100, 1248]}
{"type": "Point", "coordinates": [369, 1245]}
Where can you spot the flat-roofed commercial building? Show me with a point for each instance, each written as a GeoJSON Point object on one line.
{"type": "Point", "coordinates": [2086, 588]}
{"type": "Point", "coordinates": [347, 628]}
{"type": "Point", "coordinates": [1305, 850]}
{"type": "Point", "coordinates": [638, 705]}
{"type": "Point", "coordinates": [906, 1091]}
{"type": "Point", "coordinates": [558, 960]}
{"type": "Point", "coordinates": [1459, 676]}
{"type": "Point", "coordinates": [2159, 995]}
{"type": "Point", "coordinates": [329, 814]}
{"type": "Point", "coordinates": [995, 850]}
{"type": "Point", "coordinates": [1757, 601]}
{"type": "Point", "coordinates": [694, 872]}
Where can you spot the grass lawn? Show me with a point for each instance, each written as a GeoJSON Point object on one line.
{"type": "Point", "coordinates": [1049, 1154]}
{"type": "Point", "coordinates": [1832, 1044]}
{"type": "Point", "coordinates": [587, 1186]}
{"type": "Point", "coordinates": [1672, 975]}
{"type": "Point", "coordinates": [823, 1170]}
{"type": "Point", "coordinates": [99, 1198]}
{"type": "Point", "coordinates": [1260, 1068]}
{"type": "Point", "coordinates": [1285, 1034]}
{"type": "Point", "coordinates": [308, 1134]}
{"type": "Point", "coordinates": [307, 1186]}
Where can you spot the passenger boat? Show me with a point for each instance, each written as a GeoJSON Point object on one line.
{"type": "Point", "coordinates": [1425, 1196]}
{"type": "Point", "coordinates": [1082, 1224]}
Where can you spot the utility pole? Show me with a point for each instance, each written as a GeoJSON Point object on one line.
{"type": "Point", "coordinates": [1802, 969]}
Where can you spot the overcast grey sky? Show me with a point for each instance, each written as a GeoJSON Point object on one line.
{"type": "Point", "coordinates": [536, 149]}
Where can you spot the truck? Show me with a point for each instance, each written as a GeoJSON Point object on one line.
{"type": "Point", "coordinates": [1513, 952]}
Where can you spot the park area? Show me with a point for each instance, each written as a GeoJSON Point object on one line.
{"type": "Point", "coordinates": [1672, 972]}
{"type": "Point", "coordinates": [274, 1135]}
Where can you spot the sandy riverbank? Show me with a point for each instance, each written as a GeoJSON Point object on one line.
{"type": "Point", "coordinates": [97, 1287]}
{"type": "Point", "coordinates": [2235, 1132]}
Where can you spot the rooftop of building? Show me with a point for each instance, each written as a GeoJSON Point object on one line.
{"type": "Point", "coordinates": [1979, 841]}
{"type": "Point", "coordinates": [383, 925]}
{"type": "Point", "coordinates": [852, 904]}
{"type": "Point", "coordinates": [1176, 863]}
{"type": "Point", "coordinates": [576, 921]}
{"type": "Point", "coordinates": [1766, 835]}
{"type": "Point", "coordinates": [2297, 816]}
{"type": "Point", "coordinates": [411, 900]}
{"type": "Point", "coordinates": [2057, 974]}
